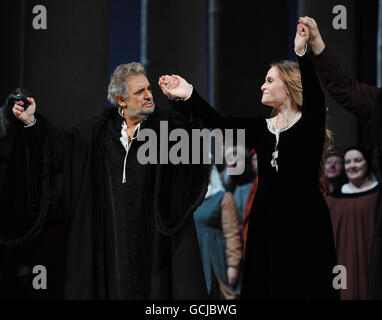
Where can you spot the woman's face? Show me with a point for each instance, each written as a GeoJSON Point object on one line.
{"type": "Point", "coordinates": [274, 90]}
{"type": "Point", "coordinates": [355, 165]}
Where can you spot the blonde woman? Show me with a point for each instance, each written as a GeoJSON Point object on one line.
{"type": "Point", "coordinates": [290, 248]}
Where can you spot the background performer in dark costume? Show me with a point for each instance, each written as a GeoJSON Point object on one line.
{"type": "Point", "coordinates": [352, 211]}
{"type": "Point", "coordinates": [290, 250]}
{"type": "Point", "coordinates": [364, 101]}
{"type": "Point", "coordinates": [130, 229]}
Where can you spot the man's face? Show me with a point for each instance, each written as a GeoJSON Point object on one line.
{"type": "Point", "coordinates": [333, 167]}
{"type": "Point", "coordinates": [139, 100]}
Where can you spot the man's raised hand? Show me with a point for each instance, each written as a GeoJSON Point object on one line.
{"type": "Point", "coordinates": [315, 39]}
{"type": "Point", "coordinates": [175, 87]}
{"type": "Point", "coordinates": [26, 116]}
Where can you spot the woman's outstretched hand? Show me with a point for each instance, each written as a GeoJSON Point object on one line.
{"type": "Point", "coordinates": [175, 87]}
{"type": "Point", "coordinates": [301, 39]}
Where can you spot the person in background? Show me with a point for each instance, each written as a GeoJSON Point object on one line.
{"type": "Point", "coordinates": [217, 225]}
{"type": "Point", "coordinates": [251, 196]}
{"type": "Point", "coordinates": [334, 170]}
{"type": "Point", "coordinates": [352, 212]}
{"type": "Point", "coordinates": [241, 183]}
{"type": "Point", "coordinates": [365, 102]}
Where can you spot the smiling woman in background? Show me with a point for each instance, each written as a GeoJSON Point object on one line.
{"type": "Point", "coordinates": [352, 212]}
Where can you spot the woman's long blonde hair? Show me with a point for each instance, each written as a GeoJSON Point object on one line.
{"type": "Point", "coordinates": [289, 73]}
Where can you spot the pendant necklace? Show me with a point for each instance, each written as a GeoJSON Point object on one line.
{"type": "Point", "coordinates": [275, 153]}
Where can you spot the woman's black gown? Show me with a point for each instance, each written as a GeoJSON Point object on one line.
{"type": "Point", "coordinates": [290, 248]}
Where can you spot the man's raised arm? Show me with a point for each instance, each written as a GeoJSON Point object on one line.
{"type": "Point", "coordinates": [358, 98]}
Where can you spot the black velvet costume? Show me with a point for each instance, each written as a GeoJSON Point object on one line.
{"type": "Point", "coordinates": [290, 250]}
{"type": "Point", "coordinates": [125, 241]}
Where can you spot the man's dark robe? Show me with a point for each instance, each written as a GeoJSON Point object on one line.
{"type": "Point", "coordinates": [125, 241]}
{"type": "Point", "coordinates": [365, 102]}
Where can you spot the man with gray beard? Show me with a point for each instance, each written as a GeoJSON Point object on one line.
{"type": "Point", "coordinates": [130, 230]}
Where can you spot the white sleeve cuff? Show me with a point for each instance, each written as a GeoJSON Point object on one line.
{"type": "Point", "coordinates": [305, 50]}
{"type": "Point", "coordinates": [185, 99]}
{"type": "Point", "coordinates": [192, 90]}
{"type": "Point", "coordinates": [32, 124]}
